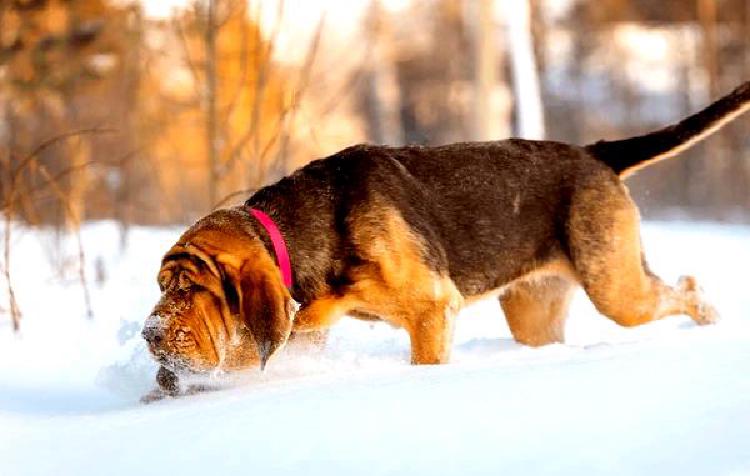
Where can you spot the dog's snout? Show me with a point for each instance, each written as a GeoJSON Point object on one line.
{"type": "Point", "coordinates": [152, 332]}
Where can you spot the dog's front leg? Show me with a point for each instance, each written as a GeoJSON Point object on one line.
{"type": "Point", "coordinates": [431, 332]}
{"type": "Point", "coordinates": [322, 313]}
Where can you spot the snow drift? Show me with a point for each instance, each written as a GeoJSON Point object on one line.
{"type": "Point", "coordinates": [665, 398]}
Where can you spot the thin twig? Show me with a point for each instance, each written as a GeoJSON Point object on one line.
{"type": "Point", "coordinates": [260, 84]}
{"type": "Point", "coordinates": [5, 204]}
{"type": "Point", "coordinates": [186, 52]}
{"type": "Point", "coordinates": [302, 84]}
{"type": "Point", "coordinates": [52, 141]}
{"type": "Point", "coordinates": [227, 198]}
{"type": "Point", "coordinates": [243, 54]}
{"type": "Point", "coordinates": [15, 311]}
{"type": "Point", "coordinates": [79, 241]}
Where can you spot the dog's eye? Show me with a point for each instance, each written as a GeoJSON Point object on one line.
{"type": "Point", "coordinates": [184, 282]}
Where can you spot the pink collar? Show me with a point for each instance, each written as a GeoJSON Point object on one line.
{"type": "Point", "coordinates": [279, 245]}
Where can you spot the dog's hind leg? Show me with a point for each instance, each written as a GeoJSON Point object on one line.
{"type": "Point", "coordinates": [605, 246]}
{"type": "Point", "coordinates": [536, 309]}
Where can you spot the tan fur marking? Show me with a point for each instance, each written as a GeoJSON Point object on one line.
{"type": "Point", "coordinates": [536, 310]}
{"type": "Point", "coordinates": [557, 267]}
{"type": "Point", "coordinates": [396, 285]}
{"type": "Point", "coordinates": [605, 242]}
{"type": "Point", "coordinates": [323, 312]}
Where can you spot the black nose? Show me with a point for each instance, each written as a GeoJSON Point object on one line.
{"type": "Point", "coordinates": [153, 334]}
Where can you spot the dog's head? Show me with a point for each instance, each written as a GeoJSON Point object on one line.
{"type": "Point", "coordinates": [223, 304]}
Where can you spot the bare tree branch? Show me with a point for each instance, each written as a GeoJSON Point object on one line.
{"type": "Point", "coordinates": [54, 140]}
{"type": "Point", "coordinates": [252, 131]}
{"type": "Point", "coordinates": [76, 221]}
{"type": "Point", "coordinates": [229, 197]}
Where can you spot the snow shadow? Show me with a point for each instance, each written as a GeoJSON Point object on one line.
{"type": "Point", "coordinates": [50, 400]}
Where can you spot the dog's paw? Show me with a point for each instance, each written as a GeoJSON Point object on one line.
{"type": "Point", "coordinates": [701, 311]}
{"type": "Point", "coordinates": [167, 385]}
{"type": "Point", "coordinates": [706, 314]}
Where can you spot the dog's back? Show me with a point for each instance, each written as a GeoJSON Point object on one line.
{"type": "Point", "coordinates": [409, 233]}
{"type": "Point", "coordinates": [484, 212]}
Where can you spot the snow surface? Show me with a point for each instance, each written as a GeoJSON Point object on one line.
{"type": "Point", "coordinates": [665, 398]}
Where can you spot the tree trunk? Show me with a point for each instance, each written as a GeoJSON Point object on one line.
{"type": "Point", "coordinates": [491, 103]}
{"type": "Point", "coordinates": [715, 158]}
{"type": "Point", "coordinates": [124, 202]}
{"type": "Point", "coordinates": [384, 95]}
{"type": "Point", "coordinates": [529, 110]}
{"type": "Point", "coordinates": [212, 144]}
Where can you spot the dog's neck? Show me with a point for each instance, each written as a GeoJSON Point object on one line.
{"type": "Point", "coordinates": [278, 243]}
{"type": "Point", "coordinates": [291, 235]}
{"type": "Point", "coordinates": [308, 227]}
{"type": "Point", "coordinates": [261, 232]}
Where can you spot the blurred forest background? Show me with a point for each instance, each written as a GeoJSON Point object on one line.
{"type": "Point", "coordinates": [155, 112]}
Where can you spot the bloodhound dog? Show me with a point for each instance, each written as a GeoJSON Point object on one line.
{"type": "Point", "coordinates": [409, 235]}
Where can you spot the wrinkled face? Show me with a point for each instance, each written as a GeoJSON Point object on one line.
{"type": "Point", "coordinates": [192, 326]}
{"type": "Point", "coordinates": [222, 305]}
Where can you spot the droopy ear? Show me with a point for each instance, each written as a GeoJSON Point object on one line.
{"type": "Point", "coordinates": [266, 307]}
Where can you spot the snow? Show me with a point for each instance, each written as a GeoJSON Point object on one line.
{"type": "Point", "coordinates": [665, 398]}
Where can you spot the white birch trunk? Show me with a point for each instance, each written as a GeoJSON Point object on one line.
{"type": "Point", "coordinates": [529, 111]}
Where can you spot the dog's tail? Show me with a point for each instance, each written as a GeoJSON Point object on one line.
{"type": "Point", "coordinates": [627, 156]}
